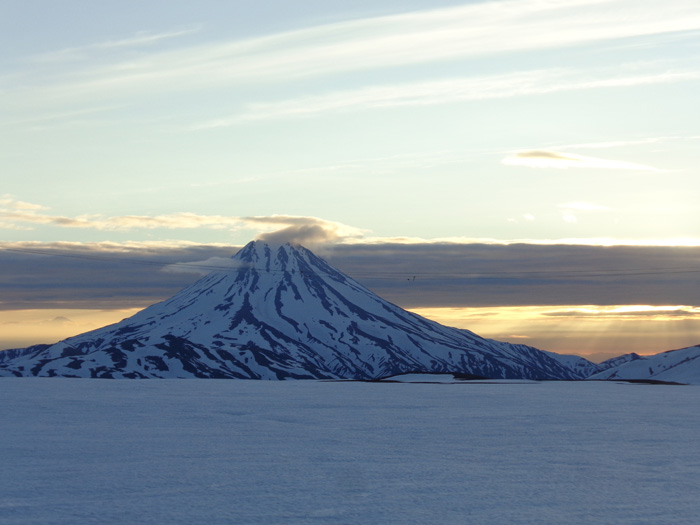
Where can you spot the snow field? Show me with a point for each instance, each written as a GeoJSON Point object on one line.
{"type": "Point", "coordinates": [216, 451]}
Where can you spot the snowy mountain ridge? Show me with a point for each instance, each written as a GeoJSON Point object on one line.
{"type": "Point", "coordinates": [676, 366]}
{"type": "Point", "coordinates": [282, 312]}
{"type": "Point", "coordinates": [619, 360]}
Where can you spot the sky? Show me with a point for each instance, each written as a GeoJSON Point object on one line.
{"type": "Point", "coordinates": [415, 133]}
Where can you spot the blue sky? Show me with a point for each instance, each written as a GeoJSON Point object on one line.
{"type": "Point", "coordinates": [507, 120]}
{"type": "Point", "coordinates": [169, 124]}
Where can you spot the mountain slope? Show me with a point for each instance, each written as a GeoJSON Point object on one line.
{"type": "Point", "coordinates": [281, 312]}
{"type": "Point", "coordinates": [678, 366]}
{"type": "Point", "coordinates": [619, 360]}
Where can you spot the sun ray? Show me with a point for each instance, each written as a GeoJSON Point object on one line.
{"type": "Point", "coordinates": [593, 331]}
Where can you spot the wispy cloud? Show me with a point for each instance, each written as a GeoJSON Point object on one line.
{"type": "Point", "coordinates": [202, 267]}
{"type": "Point", "coordinates": [289, 228]}
{"type": "Point", "coordinates": [140, 39]}
{"type": "Point", "coordinates": [8, 202]}
{"type": "Point", "coordinates": [651, 312]}
{"type": "Point", "coordinates": [272, 228]}
{"type": "Point", "coordinates": [420, 37]}
{"type": "Point", "coordinates": [562, 160]}
{"type": "Point", "coordinates": [439, 34]}
{"type": "Point", "coordinates": [560, 241]}
{"type": "Point", "coordinates": [123, 222]}
{"type": "Point", "coordinates": [446, 91]}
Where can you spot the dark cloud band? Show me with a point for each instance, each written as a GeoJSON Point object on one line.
{"type": "Point", "coordinates": [413, 275]}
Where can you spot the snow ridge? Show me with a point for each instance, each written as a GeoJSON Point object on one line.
{"type": "Point", "coordinates": [675, 366]}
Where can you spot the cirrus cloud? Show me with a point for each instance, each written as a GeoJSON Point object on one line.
{"type": "Point", "coordinates": [445, 91]}
{"type": "Point", "coordinates": [562, 160]}
{"type": "Point", "coordinates": [277, 229]}
{"type": "Point", "coordinates": [417, 37]}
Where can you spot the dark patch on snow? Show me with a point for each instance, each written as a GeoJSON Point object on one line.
{"type": "Point", "coordinates": [75, 364]}
{"type": "Point", "coordinates": [157, 362]}
{"type": "Point", "coordinates": [70, 351]}
{"type": "Point", "coordinates": [129, 329]}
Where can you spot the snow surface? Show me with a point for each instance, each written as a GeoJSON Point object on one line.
{"type": "Point", "coordinates": [207, 451]}
{"type": "Point", "coordinates": [446, 378]}
{"type": "Point", "coordinates": [422, 378]}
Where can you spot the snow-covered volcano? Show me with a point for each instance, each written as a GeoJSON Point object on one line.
{"type": "Point", "coordinates": [282, 312]}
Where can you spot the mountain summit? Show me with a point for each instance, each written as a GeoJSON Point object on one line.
{"type": "Point", "coordinates": [282, 312]}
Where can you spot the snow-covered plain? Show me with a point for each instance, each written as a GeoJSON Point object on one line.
{"type": "Point", "coordinates": [217, 451]}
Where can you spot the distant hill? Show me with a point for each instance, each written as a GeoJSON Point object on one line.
{"type": "Point", "coordinates": [677, 366]}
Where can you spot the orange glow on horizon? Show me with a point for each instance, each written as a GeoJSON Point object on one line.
{"type": "Point", "coordinates": [21, 328]}
{"type": "Point", "coordinates": [593, 331]}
